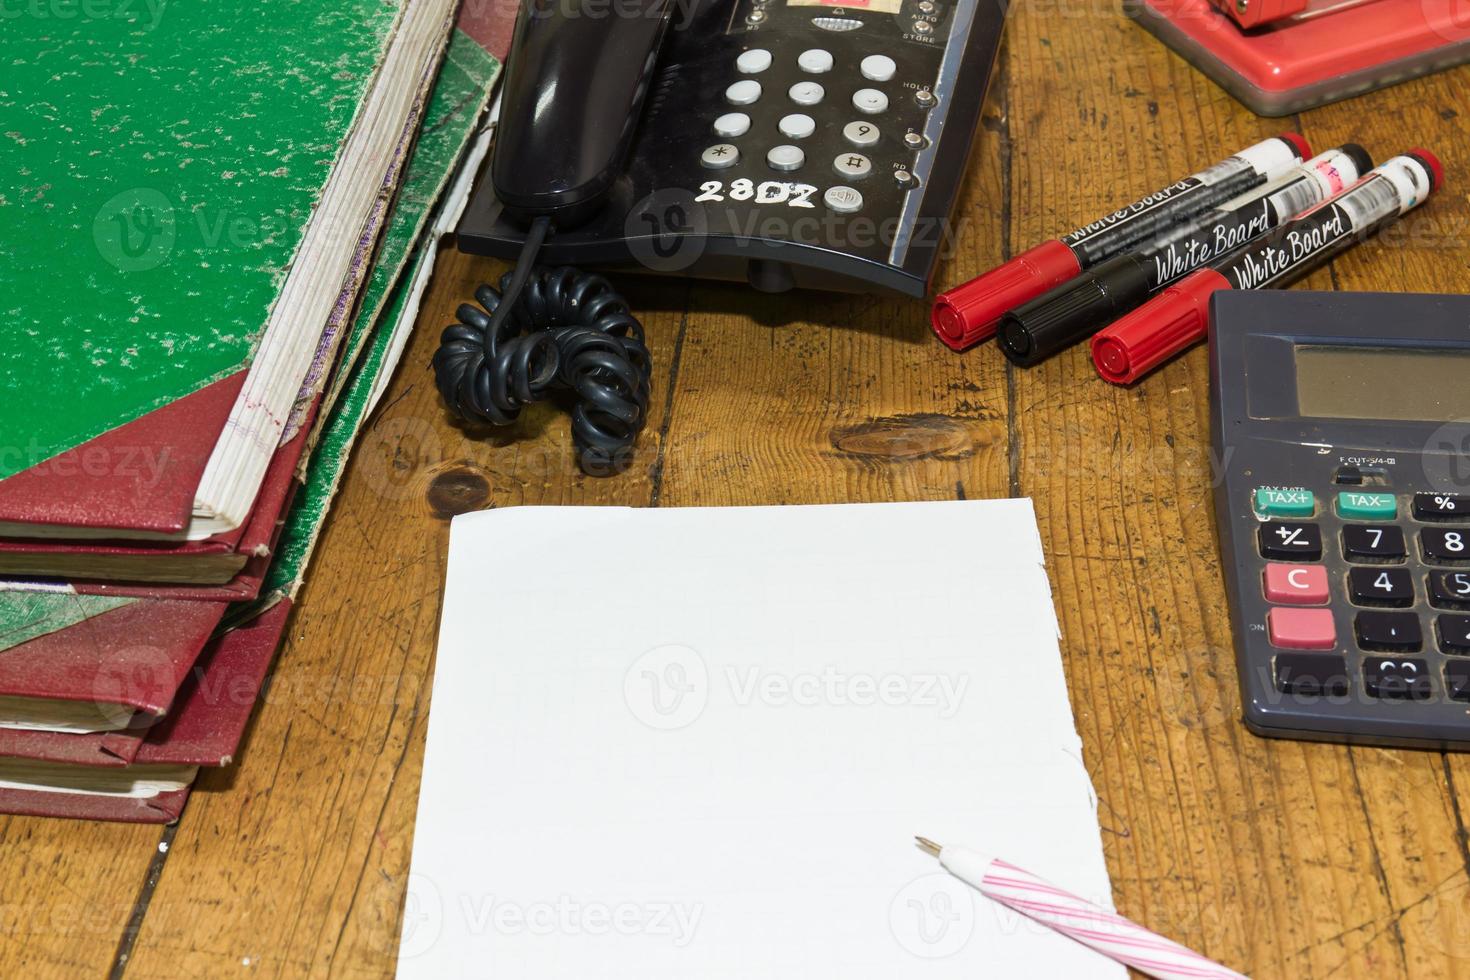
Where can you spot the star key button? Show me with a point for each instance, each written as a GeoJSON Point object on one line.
{"type": "Point", "coordinates": [1290, 541]}
{"type": "Point", "coordinates": [720, 156]}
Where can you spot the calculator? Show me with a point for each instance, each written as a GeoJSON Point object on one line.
{"type": "Point", "coordinates": [1341, 432]}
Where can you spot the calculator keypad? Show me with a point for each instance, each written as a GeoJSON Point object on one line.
{"type": "Point", "coordinates": [1405, 588]}
{"type": "Point", "coordinates": [1380, 586]}
{"type": "Point", "coordinates": [1291, 541]}
{"type": "Point", "coordinates": [1373, 543]}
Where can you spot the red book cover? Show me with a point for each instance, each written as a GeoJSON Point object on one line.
{"type": "Point", "coordinates": [204, 730]}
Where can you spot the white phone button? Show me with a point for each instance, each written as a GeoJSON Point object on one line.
{"type": "Point", "coordinates": [853, 165]}
{"type": "Point", "coordinates": [732, 124]}
{"type": "Point", "coordinates": [786, 158]}
{"type": "Point", "coordinates": [797, 126]}
{"type": "Point", "coordinates": [869, 100]}
{"type": "Point", "coordinates": [754, 61]}
{"type": "Point", "coordinates": [843, 200]}
{"type": "Point", "coordinates": [806, 93]}
{"type": "Point", "coordinates": [878, 67]}
{"type": "Point", "coordinates": [860, 133]}
{"type": "Point", "coordinates": [720, 156]}
{"type": "Point", "coordinates": [815, 61]}
{"type": "Point", "coordinates": [743, 92]}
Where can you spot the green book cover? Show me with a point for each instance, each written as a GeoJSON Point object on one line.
{"type": "Point", "coordinates": [162, 162]}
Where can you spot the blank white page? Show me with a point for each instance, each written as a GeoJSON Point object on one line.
{"type": "Point", "coordinates": [697, 743]}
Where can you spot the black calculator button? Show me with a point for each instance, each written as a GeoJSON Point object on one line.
{"type": "Point", "coordinates": [1373, 542]}
{"type": "Point", "coordinates": [1445, 544]}
{"type": "Point", "coordinates": [1396, 677]}
{"type": "Point", "coordinates": [1454, 634]}
{"type": "Point", "coordinates": [1381, 586]}
{"type": "Point", "coordinates": [1388, 631]}
{"type": "Point", "coordinates": [1449, 590]}
{"type": "Point", "coordinates": [1290, 541]}
{"type": "Point", "coordinates": [1441, 506]}
{"type": "Point", "coordinates": [1457, 679]}
{"type": "Point", "coordinates": [1311, 673]}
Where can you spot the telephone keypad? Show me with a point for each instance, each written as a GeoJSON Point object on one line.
{"type": "Point", "coordinates": [844, 76]}
{"type": "Point", "coordinates": [732, 124]}
{"type": "Point", "coordinates": [797, 126]}
{"type": "Point", "coordinates": [807, 93]}
{"type": "Point", "coordinates": [870, 101]}
{"type": "Point", "coordinates": [786, 157]}
{"type": "Point", "coordinates": [853, 165]}
{"type": "Point", "coordinates": [754, 61]}
{"type": "Point", "coordinates": [744, 92]}
{"type": "Point", "coordinates": [720, 156]}
{"type": "Point", "coordinates": [843, 200]}
{"type": "Point", "coordinates": [878, 68]}
{"type": "Point", "coordinates": [816, 61]}
{"type": "Point", "coordinates": [860, 133]}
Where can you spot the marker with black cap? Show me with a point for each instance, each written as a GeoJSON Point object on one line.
{"type": "Point", "coordinates": [1079, 308]}
{"type": "Point", "coordinates": [969, 313]}
{"type": "Point", "coordinates": [1178, 316]}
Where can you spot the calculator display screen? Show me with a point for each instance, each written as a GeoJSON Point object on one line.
{"type": "Point", "coordinates": [1398, 383]}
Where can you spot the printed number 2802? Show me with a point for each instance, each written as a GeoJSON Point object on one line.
{"type": "Point", "coordinates": [768, 192]}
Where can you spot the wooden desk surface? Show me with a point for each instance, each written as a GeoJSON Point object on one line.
{"type": "Point", "coordinates": [1282, 859]}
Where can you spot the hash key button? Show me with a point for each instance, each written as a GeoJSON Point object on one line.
{"type": "Point", "coordinates": [1398, 678]}
{"type": "Point", "coordinates": [1445, 545]}
{"type": "Point", "coordinates": [1388, 631]}
{"type": "Point", "coordinates": [1290, 541]}
{"type": "Point", "coordinates": [1369, 542]}
{"type": "Point", "coordinates": [1454, 634]}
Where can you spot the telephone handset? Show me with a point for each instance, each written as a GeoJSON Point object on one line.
{"type": "Point", "coordinates": [574, 89]}
{"type": "Point", "coordinates": [814, 143]}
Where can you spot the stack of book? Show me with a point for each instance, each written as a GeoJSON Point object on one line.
{"type": "Point", "coordinates": [212, 244]}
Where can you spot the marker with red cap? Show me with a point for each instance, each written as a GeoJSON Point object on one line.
{"type": "Point", "coordinates": [1077, 309]}
{"type": "Point", "coordinates": [1178, 317]}
{"type": "Point", "coordinates": [968, 314]}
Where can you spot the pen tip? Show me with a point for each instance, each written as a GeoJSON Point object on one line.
{"type": "Point", "coordinates": [928, 845]}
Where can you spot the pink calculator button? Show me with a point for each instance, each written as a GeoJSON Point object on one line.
{"type": "Point", "coordinates": [1298, 585]}
{"type": "Point", "coordinates": [1302, 629]}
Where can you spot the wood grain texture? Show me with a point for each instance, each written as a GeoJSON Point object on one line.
{"type": "Point", "coordinates": [1283, 859]}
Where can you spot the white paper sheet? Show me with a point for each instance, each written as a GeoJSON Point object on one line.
{"type": "Point", "coordinates": [697, 743]}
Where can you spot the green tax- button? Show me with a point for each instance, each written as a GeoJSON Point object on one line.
{"type": "Point", "coordinates": [1367, 506]}
{"type": "Point", "coordinates": [1285, 503]}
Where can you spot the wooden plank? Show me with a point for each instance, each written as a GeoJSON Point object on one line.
{"type": "Point", "coordinates": [69, 889]}
{"type": "Point", "coordinates": [1280, 858]}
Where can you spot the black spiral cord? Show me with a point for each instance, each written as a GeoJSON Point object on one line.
{"type": "Point", "coordinates": [544, 332]}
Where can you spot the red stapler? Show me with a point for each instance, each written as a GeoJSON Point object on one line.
{"type": "Point", "coordinates": [1282, 56]}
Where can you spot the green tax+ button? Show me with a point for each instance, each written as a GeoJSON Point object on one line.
{"type": "Point", "coordinates": [1367, 506]}
{"type": "Point", "coordinates": [1286, 503]}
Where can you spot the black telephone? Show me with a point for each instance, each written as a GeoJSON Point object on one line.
{"type": "Point", "coordinates": [788, 143]}
{"type": "Point", "coordinates": [814, 143]}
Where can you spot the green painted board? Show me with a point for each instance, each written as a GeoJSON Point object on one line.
{"type": "Point", "coordinates": [160, 164]}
